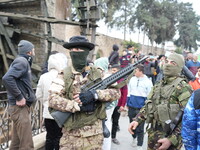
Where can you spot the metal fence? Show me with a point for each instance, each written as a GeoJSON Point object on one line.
{"type": "Point", "coordinates": [6, 125]}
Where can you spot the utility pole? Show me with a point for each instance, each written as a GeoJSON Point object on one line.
{"type": "Point", "coordinates": [125, 12]}
{"type": "Point", "coordinates": [89, 15]}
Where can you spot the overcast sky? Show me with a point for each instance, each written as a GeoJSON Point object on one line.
{"type": "Point", "coordinates": [134, 36]}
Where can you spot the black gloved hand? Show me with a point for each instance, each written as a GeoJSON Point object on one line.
{"type": "Point", "coordinates": [88, 107]}
{"type": "Point", "coordinates": [87, 97]}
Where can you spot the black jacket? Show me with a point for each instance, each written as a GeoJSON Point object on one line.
{"type": "Point", "coordinates": [113, 58]}
{"type": "Point", "coordinates": [18, 82]}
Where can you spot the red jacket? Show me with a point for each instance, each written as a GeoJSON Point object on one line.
{"type": "Point", "coordinates": [124, 92]}
{"type": "Point", "coordinates": [195, 84]}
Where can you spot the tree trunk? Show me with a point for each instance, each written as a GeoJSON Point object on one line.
{"type": "Point", "coordinates": [151, 47]}
{"type": "Point", "coordinates": [143, 42]}
{"type": "Point", "coordinates": [125, 20]}
{"type": "Point", "coordinates": [139, 36]}
{"type": "Point", "coordinates": [163, 46]}
{"type": "Point", "coordinates": [148, 47]}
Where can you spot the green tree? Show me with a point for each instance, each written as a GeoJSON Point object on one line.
{"type": "Point", "coordinates": [157, 19]}
{"type": "Point", "coordinates": [120, 18]}
{"type": "Point", "coordinates": [179, 50]}
{"type": "Point", "coordinates": [188, 27]}
{"type": "Point", "coordinates": [137, 46]}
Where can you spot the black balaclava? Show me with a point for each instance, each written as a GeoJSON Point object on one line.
{"type": "Point", "coordinates": [79, 59]}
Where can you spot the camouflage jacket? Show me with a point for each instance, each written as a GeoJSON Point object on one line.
{"type": "Point", "coordinates": [58, 100]}
{"type": "Point", "coordinates": [156, 113]}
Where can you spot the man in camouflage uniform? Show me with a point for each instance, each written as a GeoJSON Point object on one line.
{"type": "Point", "coordinates": [164, 102]}
{"type": "Point", "coordinates": [83, 130]}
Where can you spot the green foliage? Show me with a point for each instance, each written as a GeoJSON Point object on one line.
{"type": "Point", "coordinates": [120, 16]}
{"type": "Point", "coordinates": [179, 50]}
{"type": "Point", "coordinates": [75, 13]}
{"type": "Point", "coordinates": [137, 46]}
{"type": "Point", "coordinates": [98, 55]}
{"type": "Point", "coordinates": [188, 27]}
{"type": "Point", "coordinates": [109, 7]}
{"type": "Point", "coordinates": [159, 19]}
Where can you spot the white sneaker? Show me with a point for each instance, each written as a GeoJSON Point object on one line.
{"type": "Point", "coordinates": [139, 148]}
{"type": "Point", "coordinates": [134, 143]}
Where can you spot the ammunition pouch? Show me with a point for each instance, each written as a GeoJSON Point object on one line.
{"type": "Point", "coordinates": [163, 112]}
{"type": "Point", "coordinates": [173, 110]}
{"type": "Point", "coordinates": [166, 112]}
{"type": "Point", "coordinates": [149, 110]}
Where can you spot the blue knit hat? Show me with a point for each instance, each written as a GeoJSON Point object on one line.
{"type": "Point", "coordinates": [24, 47]}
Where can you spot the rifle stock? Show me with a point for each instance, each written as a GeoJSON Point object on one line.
{"type": "Point", "coordinates": [188, 74]}
{"type": "Point", "coordinates": [170, 125]}
{"type": "Point", "coordinates": [61, 117]}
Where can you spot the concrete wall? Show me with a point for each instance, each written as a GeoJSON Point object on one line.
{"type": "Point", "coordinates": [105, 43]}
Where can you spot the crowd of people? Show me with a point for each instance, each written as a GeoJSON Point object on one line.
{"type": "Point", "coordinates": [157, 93]}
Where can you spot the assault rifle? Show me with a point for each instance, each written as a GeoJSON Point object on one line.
{"type": "Point", "coordinates": [61, 117]}
{"type": "Point", "coordinates": [186, 72]}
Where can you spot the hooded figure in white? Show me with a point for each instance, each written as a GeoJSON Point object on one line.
{"type": "Point", "coordinates": [56, 64]}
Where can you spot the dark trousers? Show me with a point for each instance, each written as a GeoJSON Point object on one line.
{"type": "Point", "coordinates": [54, 133]}
{"type": "Point", "coordinates": [115, 121]}
{"type": "Point", "coordinates": [153, 78]}
{"type": "Point", "coordinates": [139, 131]}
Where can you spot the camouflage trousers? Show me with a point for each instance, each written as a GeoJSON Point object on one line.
{"type": "Point", "coordinates": [154, 136]}
{"type": "Point", "coordinates": [69, 142]}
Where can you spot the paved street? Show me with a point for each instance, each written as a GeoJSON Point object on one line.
{"type": "Point", "coordinates": [125, 137]}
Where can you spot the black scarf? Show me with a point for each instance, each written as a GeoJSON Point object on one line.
{"type": "Point", "coordinates": [79, 60]}
{"type": "Point", "coordinates": [28, 57]}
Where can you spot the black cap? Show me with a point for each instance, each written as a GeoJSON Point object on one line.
{"type": "Point", "coordinates": [160, 56]}
{"type": "Point", "coordinates": [79, 42]}
{"type": "Point", "coordinates": [115, 47]}
{"type": "Point", "coordinates": [129, 46]}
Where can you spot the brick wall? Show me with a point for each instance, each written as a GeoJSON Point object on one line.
{"type": "Point", "coordinates": [27, 8]}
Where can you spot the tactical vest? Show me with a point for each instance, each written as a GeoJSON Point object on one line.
{"type": "Point", "coordinates": [81, 119]}
{"type": "Point", "coordinates": [158, 107]}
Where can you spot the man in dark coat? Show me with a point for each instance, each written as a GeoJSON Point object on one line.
{"type": "Point", "coordinates": [20, 96]}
